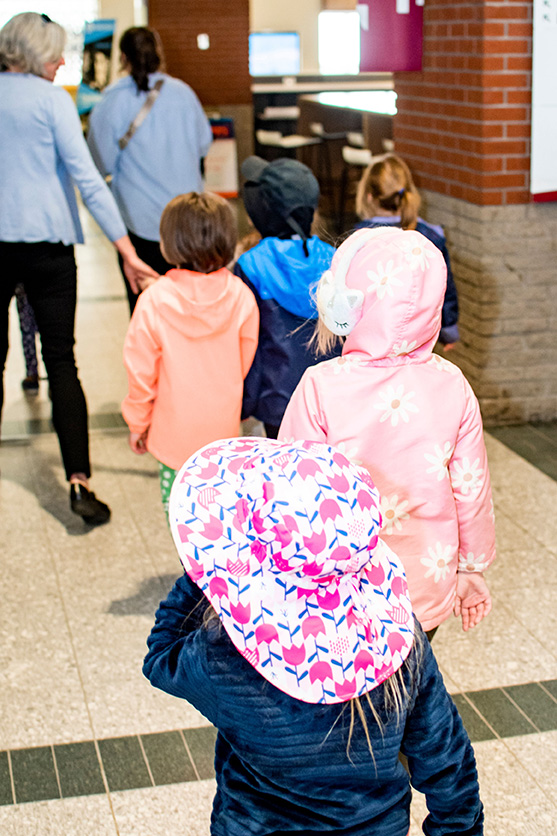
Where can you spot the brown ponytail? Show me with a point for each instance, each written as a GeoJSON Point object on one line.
{"type": "Point", "coordinates": [142, 49]}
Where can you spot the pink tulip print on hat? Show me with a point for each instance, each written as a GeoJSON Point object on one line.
{"type": "Point", "coordinates": [282, 538]}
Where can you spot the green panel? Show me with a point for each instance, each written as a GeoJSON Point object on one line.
{"type": "Point", "coordinates": [201, 743]}
{"type": "Point", "coordinates": [473, 723]}
{"type": "Point", "coordinates": [78, 769]}
{"type": "Point", "coordinates": [168, 759]}
{"type": "Point", "coordinates": [34, 774]}
{"type": "Point", "coordinates": [124, 764]}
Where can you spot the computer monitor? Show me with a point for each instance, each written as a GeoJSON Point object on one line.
{"type": "Point", "coordinates": [274, 53]}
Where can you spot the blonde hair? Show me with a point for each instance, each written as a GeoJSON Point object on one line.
{"type": "Point", "coordinates": [396, 692]}
{"type": "Point", "coordinates": [28, 41]}
{"type": "Point", "coordinates": [387, 184]}
{"type": "Point", "coordinates": [198, 232]}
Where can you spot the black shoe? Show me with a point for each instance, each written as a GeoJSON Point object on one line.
{"type": "Point", "coordinates": [85, 504]}
{"type": "Point", "coordinates": [30, 383]}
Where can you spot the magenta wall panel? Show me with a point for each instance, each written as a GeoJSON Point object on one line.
{"type": "Point", "coordinates": [392, 39]}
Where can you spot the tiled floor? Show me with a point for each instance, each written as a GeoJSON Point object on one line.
{"type": "Point", "coordinates": [87, 747]}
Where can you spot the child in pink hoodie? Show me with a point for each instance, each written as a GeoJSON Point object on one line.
{"type": "Point", "coordinates": [191, 340]}
{"type": "Point", "coordinates": [408, 415]}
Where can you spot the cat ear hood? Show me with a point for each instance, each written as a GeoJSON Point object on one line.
{"type": "Point", "coordinates": [393, 279]}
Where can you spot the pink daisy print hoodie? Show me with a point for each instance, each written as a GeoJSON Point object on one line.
{"type": "Point", "coordinates": [408, 415]}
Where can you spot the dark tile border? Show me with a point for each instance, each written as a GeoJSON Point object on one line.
{"type": "Point", "coordinates": [537, 443]}
{"type": "Point", "coordinates": [186, 755]}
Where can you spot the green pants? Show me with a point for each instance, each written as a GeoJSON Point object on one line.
{"type": "Point", "coordinates": [167, 477]}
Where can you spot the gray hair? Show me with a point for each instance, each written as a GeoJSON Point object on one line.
{"type": "Point", "coordinates": [28, 41]}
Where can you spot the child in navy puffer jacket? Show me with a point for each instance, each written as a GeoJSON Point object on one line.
{"type": "Point", "coordinates": [280, 198]}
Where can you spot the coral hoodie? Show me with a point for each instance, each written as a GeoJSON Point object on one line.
{"type": "Point", "coordinates": [189, 346]}
{"type": "Point", "coordinates": [408, 415]}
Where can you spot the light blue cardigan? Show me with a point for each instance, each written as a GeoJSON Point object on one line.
{"type": "Point", "coordinates": [43, 156]}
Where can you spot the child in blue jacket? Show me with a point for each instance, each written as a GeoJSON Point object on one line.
{"type": "Point", "coordinates": [292, 632]}
{"type": "Point", "coordinates": [282, 269]}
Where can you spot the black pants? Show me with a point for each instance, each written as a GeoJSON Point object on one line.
{"type": "Point", "coordinates": [150, 253]}
{"type": "Point", "coordinates": [48, 273]}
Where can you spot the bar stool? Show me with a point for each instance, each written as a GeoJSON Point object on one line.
{"type": "Point", "coordinates": [328, 164]}
{"type": "Point", "coordinates": [355, 160]}
{"type": "Point", "coordinates": [285, 146]}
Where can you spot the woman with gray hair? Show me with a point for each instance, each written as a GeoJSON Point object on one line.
{"type": "Point", "coordinates": [43, 157]}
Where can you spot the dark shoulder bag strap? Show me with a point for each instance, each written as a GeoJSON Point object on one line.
{"type": "Point", "coordinates": [145, 108]}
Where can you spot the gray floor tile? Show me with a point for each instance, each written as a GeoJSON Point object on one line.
{"type": "Point", "coordinates": [78, 769]}
{"type": "Point", "coordinates": [473, 723]}
{"type": "Point", "coordinates": [500, 713]}
{"type": "Point", "coordinates": [532, 444]}
{"type": "Point", "coordinates": [201, 743]}
{"type": "Point", "coordinates": [34, 774]}
{"type": "Point", "coordinates": [536, 704]}
{"type": "Point", "coordinates": [551, 686]}
{"type": "Point", "coordinates": [124, 764]}
{"type": "Point", "coordinates": [168, 758]}
{"type": "Point", "coordinates": [6, 796]}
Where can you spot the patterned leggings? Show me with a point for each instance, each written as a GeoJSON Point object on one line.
{"type": "Point", "coordinates": [28, 328]}
{"type": "Point", "coordinates": [167, 476]}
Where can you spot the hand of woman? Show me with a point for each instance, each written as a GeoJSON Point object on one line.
{"type": "Point", "coordinates": [136, 270]}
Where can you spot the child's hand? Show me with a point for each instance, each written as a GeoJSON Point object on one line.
{"type": "Point", "coordinates": [145, 283]}
{"type": "Point", "coordinates": [473, 601]}
{"type": "Point", "coordinates": [137, 442]}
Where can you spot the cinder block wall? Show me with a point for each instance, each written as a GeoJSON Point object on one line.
{"type": "Point", "coordinates": [463, 125]}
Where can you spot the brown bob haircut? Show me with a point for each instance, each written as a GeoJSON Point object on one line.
{"type": "Point", "coordinates": [198, 232]}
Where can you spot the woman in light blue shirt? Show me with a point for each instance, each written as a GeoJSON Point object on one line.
{"type": "Point", "coordinates": [163, 157]}
{"type": "Point", "coordinates": [43, 157]}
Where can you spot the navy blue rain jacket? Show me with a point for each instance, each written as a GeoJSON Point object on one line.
{"type": "Point", "coordinates": [281, 764]}
{"type": "Point", "coordinates": [449, 316]}
{"type": "Point", "coordinates": [283, 280]}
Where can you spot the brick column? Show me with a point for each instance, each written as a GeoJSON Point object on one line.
{"type": "Point", "coordinates": [463, 125]}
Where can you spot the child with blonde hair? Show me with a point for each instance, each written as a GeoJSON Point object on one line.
{"type": "Point", "coordinates": [191, 339]}
{"type": "Point", "coordinates": [408, 415]}
{"type": "Point", "coordinates": [387, 196]}
{"type": "Point", "coordinates": [292, 632]}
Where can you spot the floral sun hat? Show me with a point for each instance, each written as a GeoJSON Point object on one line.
{"type": "Point", "coordinates": [283, 541]}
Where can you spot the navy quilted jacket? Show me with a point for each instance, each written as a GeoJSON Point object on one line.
{"type": "Point", "coordinates": [281, 764]}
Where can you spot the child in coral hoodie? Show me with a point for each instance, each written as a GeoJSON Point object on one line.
{"type": "Point", "coordinates": [191, 339]}
{"type": "Point", "coordinates": [408, 415]}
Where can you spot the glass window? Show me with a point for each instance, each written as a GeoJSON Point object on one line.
{"type": "Point", "coordinates": [339, 43]}
{"type": "Point", "coordinates": [70, 14]}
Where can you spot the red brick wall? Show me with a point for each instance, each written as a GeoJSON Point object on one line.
{"type": "Point", "coordinates": [463, 123]}
{"type": "Point", "coordinates": [219, 75]}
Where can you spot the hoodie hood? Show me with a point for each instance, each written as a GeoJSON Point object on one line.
{"type": "Point", "coordinates": [279, 269]}
{"type": "Point", "coordinates": [385, 292]}
{"type": "Point", "coordinates": [197, 304]}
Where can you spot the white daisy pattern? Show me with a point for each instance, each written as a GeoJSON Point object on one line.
{"type": "Point", "coordinates": [439, 460]}
{"type": "Point", "coordinates": [351, 453]}
{"type": "Point", "coordinates": [403, 348]}
{"type": "Point", "coordinates": [438, 561]}
{"type": "Point", "coordinates": [470, 562]}
{"type": "Point", "coordinates": [393, 512]}
{"type": "Point", "coordinates": [396, 404]}
{"type": "Point", "coordinates": [344, 365]}
{"type": "Point", "coordinates": [467, 477]}
{"type": "Point", "coordinates": [416, 254]}
{"type": "Point", "coordinates": [384, 280]}
{"type": "Point", "coordinates": [442, 364]}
